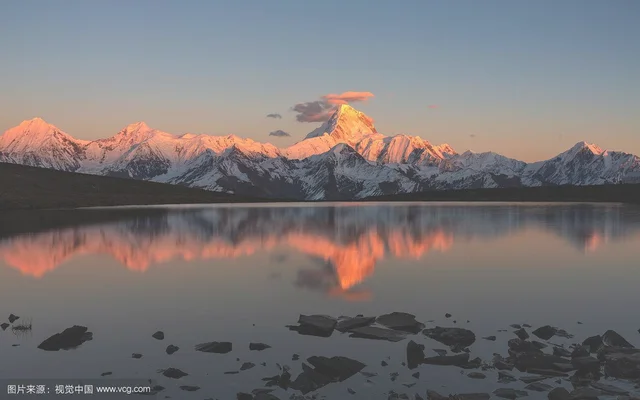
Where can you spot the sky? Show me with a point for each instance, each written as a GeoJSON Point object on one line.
{"type": "Point", "coordinates": [527, 79]}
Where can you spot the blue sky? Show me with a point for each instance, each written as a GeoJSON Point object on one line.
{"type": "Point", "coordinates": [527, 79]}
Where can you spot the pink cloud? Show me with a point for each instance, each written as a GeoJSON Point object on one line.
{"type": "Point", "coordinates": [322, 110]}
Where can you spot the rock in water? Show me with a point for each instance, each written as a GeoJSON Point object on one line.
{"type": "Point", "coordinates": [347, 324]}
{"type": "Point", "coordinates": [258, 346]}
{"type": "Point", "coordinates": [453, 337]}
{"type": "Point", "coordinates": [4, 326]}
{"type": "Point", "coordinates": [173, 373]}
{"type": "Point", "coordinates": [508, 393]}
{"type": "Point", "coordinates": [400, 321]}
{"type": "Point", "coordinates": [215, 347]}
{"type": "Point", "coordinates": [315, 325]}
{"type": "Point", "coordinates": [68, 339]}
{"type": "Point", "coordinates": [158, 335]}
{"type": "Point", "coordinates": [172, 349]}
{"type": "Point", "coordinates": [246, 366]}
{"type": "Point", "coordinates": [136, 355]}
{"type": "Point", "coordinates": [547, 332]}
{"type": "Point", "coordinates": [559, 394]}
{"type": "Point", "coordinates": [613, 339]}
{"type": "Point", "coordinates": [190, 388]}
{"type": "Point", "coordinates": [376, 333]}
{"type": "Point", "coordinates": [415, 354]}
{"type": "Point", "coordinates": [522, 334]}
{"type": "Point", "coordinates": [13, 318]}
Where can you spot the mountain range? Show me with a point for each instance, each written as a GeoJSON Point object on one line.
{"type": "Point", "coordinates": [345, 158]}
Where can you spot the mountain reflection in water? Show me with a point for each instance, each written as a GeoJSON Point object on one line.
{"type": "Point", "coordinates": [345, 241]}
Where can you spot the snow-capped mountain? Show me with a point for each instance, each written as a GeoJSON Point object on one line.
{"type": "Point", "coordinates": [345, 158]}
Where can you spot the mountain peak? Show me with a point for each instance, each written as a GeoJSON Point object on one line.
{"type": "Point", "coordinates": [584, 145]}
{"type": "Point", "coordinates": [31, 128]}
{"type": "Point", "coordinates": [137, 127]}
{"type": "Point", "coordinates": [346, 125]}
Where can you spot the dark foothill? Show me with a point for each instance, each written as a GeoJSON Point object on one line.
{"type": "Point", "coordinates": [522, 334]}
{"type": "Point", "coordinates": [246, 366]}
{"type": "Point", "coordinates": [347, 324]}
{"type": "Point", "coordinates": [4, 326]}
{"type": "Point", "coordinates": [401, 321]}
{"type": "Point", "coordinates": [172, 349]}
{"type": "Point", "coordinates": [376, 333]}
{"type": "Point", "coordinates": [511, 394]}
{"type": "Point", "coordinates": [491, 338]}
{"type": "Point", "coordinates": [13, 318]}
{"type": "Point", "coordinates": [258, 346]}
{"type": "Point", "coordinates": [158, 335]}
{"type": "Point", "coordinates": [173, 373]}
{"type": "Point", "coordinates": [415, 354]}
{"type": "Point", "coordinates": [106, 373]}
{"type": "Point", "coordinates": [613, 339]}
{"type": "Point", "coordinates": [476, 375]}
{"type": "Point", "coordinates": [453, 337]}
{"type": "Point", "coordinates": [68, 339]}
{"type": "Point", "coordinates": [190, 388]}
{"type": "Point", "coordinates": [315, 325]}
{"type": "Point", "coordinates": [215, 347]}
{"type": "Point", "coordinates": [136, 355]}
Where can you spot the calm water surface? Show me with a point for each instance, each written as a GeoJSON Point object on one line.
{"type": "Point", "coordinates": [242, 273]}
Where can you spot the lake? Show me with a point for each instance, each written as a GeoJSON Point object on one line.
{"type": "Point", "coordinates": [243, 273]}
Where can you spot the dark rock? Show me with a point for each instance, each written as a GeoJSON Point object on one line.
{"type": "Point", "coordinates": [351, 391]}
{"type": "Point", "coordinates": [190, 388]}
{"type": "Point", "coordinates": [215, 347]}
{"type": "Point", "coordinates": [258, 346]}
{"type": "Point", "coordinates": [315, 325]}
{"type": "Point", "coordinates": [609, 389]}
{"type": "Point", "coordinates": [559, 394]}
{"type": "Point", "coordinates": [400, 321]}
{"type": "Point", "coordinates": [295, 357]}
{"type": "Point", "coordinates": [231, 372]}
{"type": "Point", "coordinates": [415, 354]}
{"type": "Point", "coordinates": [376, 333]}
{"type": "Point", "coordinates": [4, 326]}
{"type": "Point", "coordinates": [106, 373]}
{"type": "Point", "coordinates": [452, 337]}
{"type": "Point", "coordinates": [522, 334]}
{"type": "Point", "coordinates": [538, 387]}
{"type": "Point", "coordinates": [528, 361]}
{"type": "Point", "coordinates": [457, 360]}
{"type": "Point", "coordinates": [355, 322]}
{"type": "Point", "coordinates": [283, 380]}
{"type": "Point", "coordinates": [502, 364]}
{"type": "Point", "coordinates": [505, 377]}
{"type": "Point", "coordinates": [508, 393]}
{"type": "Point", "coordinates": [447, 315]}
{"type": "Point", "coordinates": [68, 339]}
{"type": "Point", "coordinates": [563, 367]}
{"type": "Point", "coordinates": [173, 373]}
{"type": "Point", "coordinates": [561, 352]}
{"type": "Point", "coordinates": [433, 395]}
{"type": "Point", "coordinates": [265, 396]}
{"type": "Point", "coordinates": [522, 346]}
{"type": "Point", "coordinates": [585, 394]}
{"type": "Point", "coordinates": [516, 326]}
{"type": "Point", "coordinates": [491, 338]}
{"type": "Point", "coordinates": [393, 376]}
{"type": "Point", "coordinates": [440, 352]}
{"type": "Point", "coordinates": [586, 363]}
{"type": "Point", "coordinates": [246, 366]}
{"type": "Point", "coordinates": [172, 349]}
{"type": "Point", "coordinates": [580, 351]}
{"type": "Point", "coordinates": [476, 375]}
{"type": "Point", "coordinates": [13, 318]}
{"type": "Point", "coordinates": [326, 370]}
{"type": "Point", "coordinates": [470, 396]}
{"type": "Point", "coordinates": [368, 374]}
{"type": "Point", "coordinates": [533, 378]}
{"type": "Point", "coordinates": [416, 375]}
{"type": "Point", "coordinates": [526, 326]}
{"type": "Point", "coordinates": [244, 396]}
{"type": "Point", "coordinates": [551, 372]}
{"type": "Point", "coordinates": [136, 355]}
{"type": "Point", "coordinates": [621, 362]}
{"type": "Point", "coordinates": [547, 332]}
{"type": "Point", "coordinates": [158, 335]}
{"type": "Point", "coordinates": [384, 363]}
{"type": "Point", "coordinates": [613, 339]}
{"type": "Point", "coordinates": [593, 343]}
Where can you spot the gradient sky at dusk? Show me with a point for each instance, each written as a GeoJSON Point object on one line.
{"type": "Point", "coordinates": [527, 79]}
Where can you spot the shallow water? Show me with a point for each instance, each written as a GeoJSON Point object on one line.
{"type": "Point", "coordinates": [242, 273]}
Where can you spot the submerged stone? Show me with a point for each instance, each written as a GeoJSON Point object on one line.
{"type": "Point", "coordinates": [246, 366]}
{"type": "Point", "coordinates": [173, 373]}
{"type": "Point", "coordinates": [215, 347]}
{"type": "Point", "coordinates": [172, 349]}
{"type": "Point", "coordinates": [190, 388]}
{"type": "Point", "coordinates": [158, 335]}
{"type": "Point", "coordinates": [13, 318]}
{"type": "Point", "coordinates": [136, 355]}
{"type": "Point", "coordinates": [258, 346]}
{"type": "Point", "coordinates": [4, 326]}
{"type": "Point", "coordinates": [452, 337]}
{"type": "Point", "coordinates": [68, 339]}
